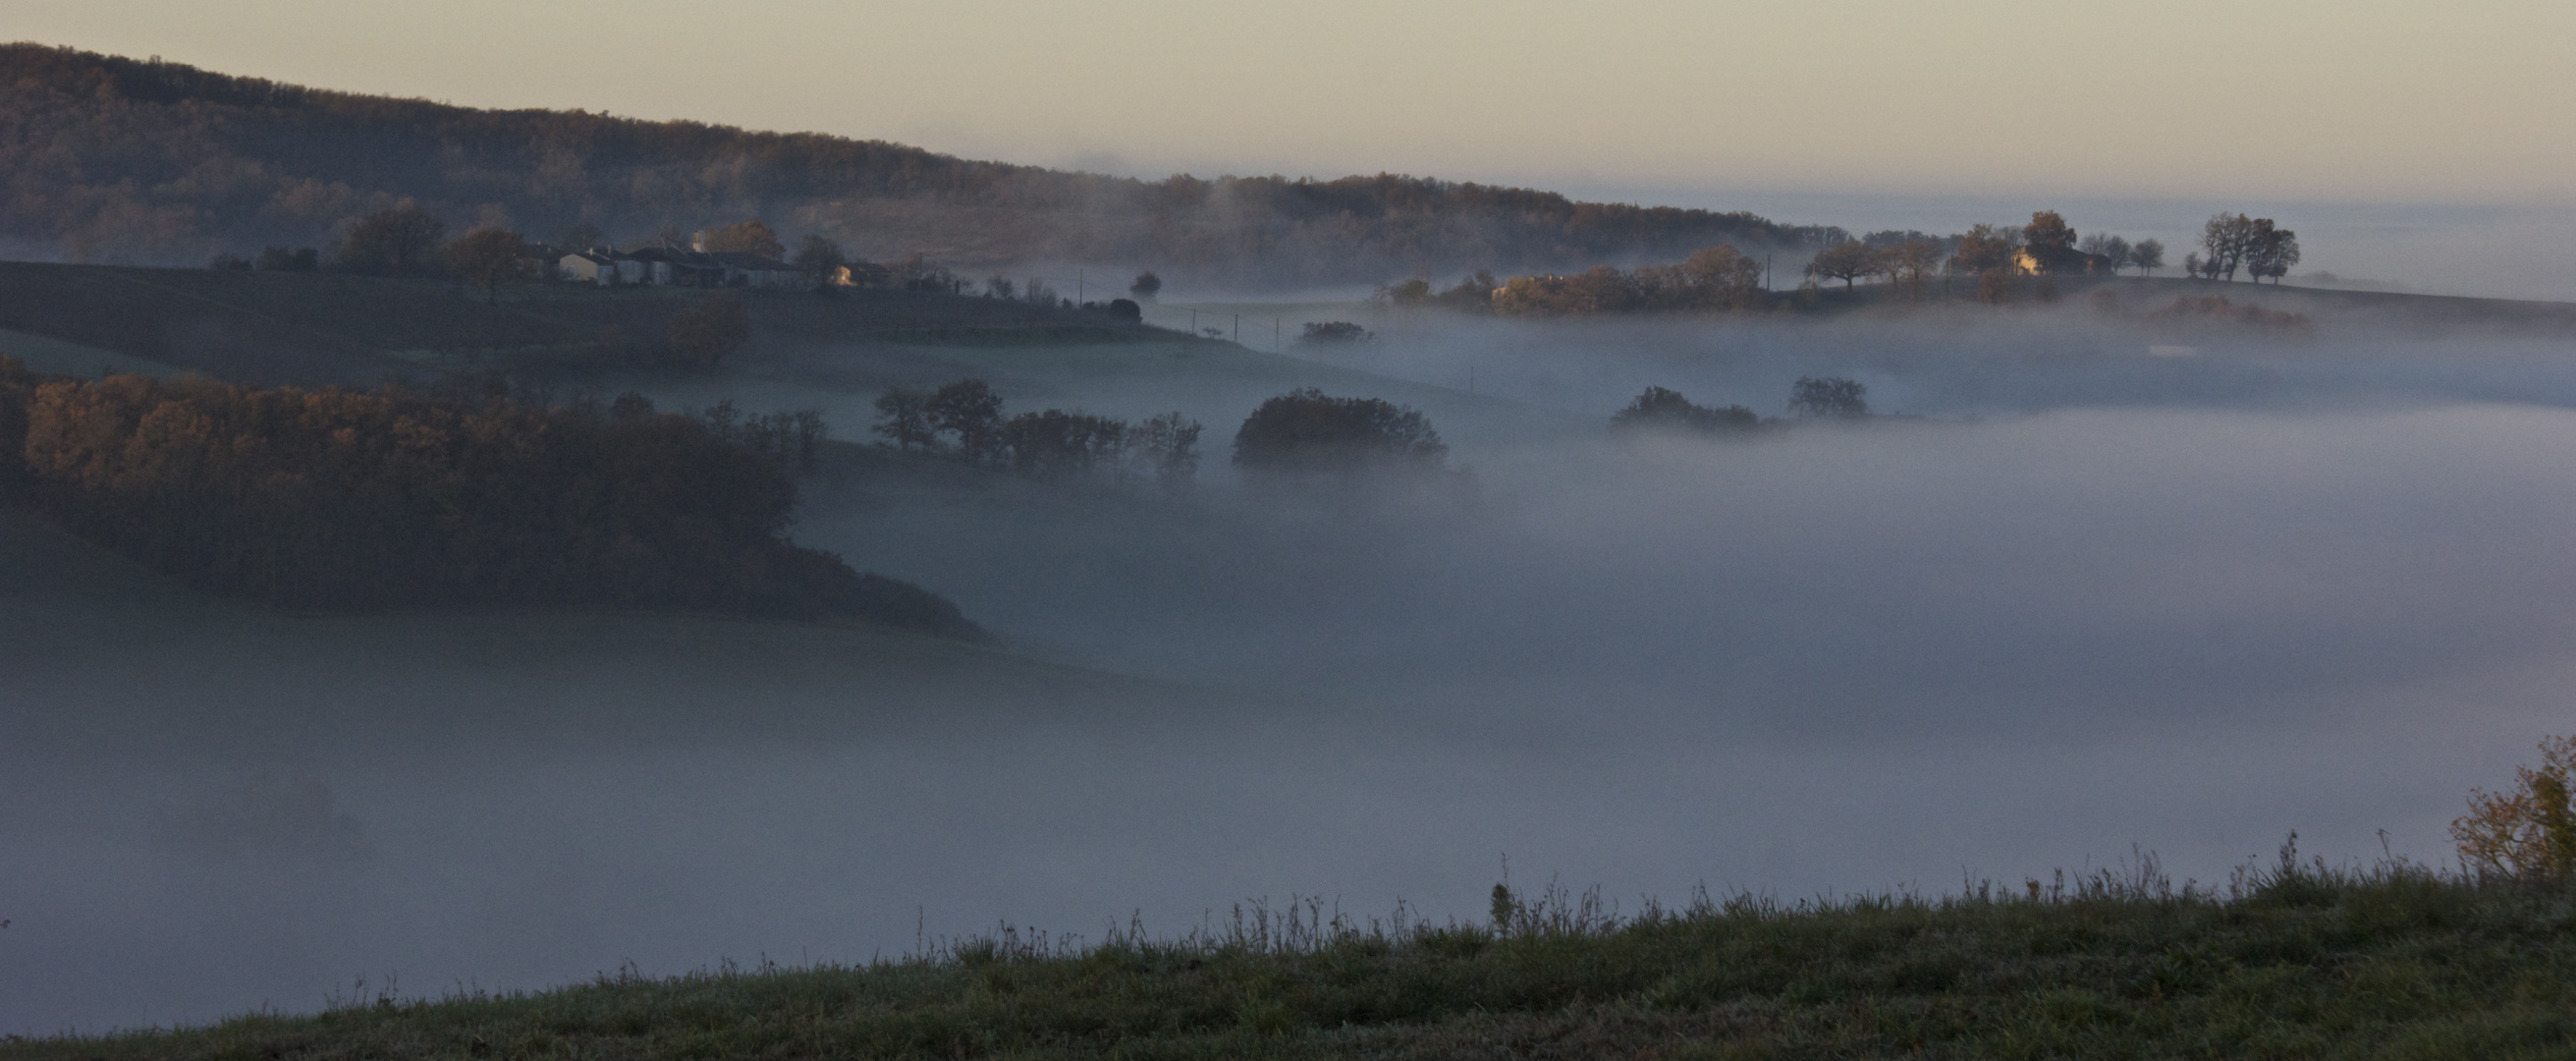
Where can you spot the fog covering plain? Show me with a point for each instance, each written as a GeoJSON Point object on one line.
{"type": "Point", "coordinates": [2093, 602]}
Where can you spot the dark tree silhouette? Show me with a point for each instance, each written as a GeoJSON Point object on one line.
{"type": "Point", "coordinates": [2271, 251]}
{"type": "Point", "coordinates": [970, 411]}
{"type": "Point", "coordinates": [2148, 255]}
{"type": "Point", "coordinates": [1308, 431]}
{"type": "Point", "coordinates": [399, 240]}
{"type": "Point", "coordinates": [1147, 286]}
{"type": "Point", "coordinates": [1847, 262]}
{"type": "Point", "coordinates": [821, 260]}
{"type": "Point", "coordinates": [903, 418]}
{"type": "Point", "coordinates": [1335, 333]}
{"type": "Point", "coordinates": [1663, 409]}
{"type": "Point", "coordinates": [490, 259]}
{"type": "Point", "coordinates": [1830, 396]}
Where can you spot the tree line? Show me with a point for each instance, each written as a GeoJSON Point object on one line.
{"type": "Point", "coordinates": [339, 499]}
{"type": "Point", "coordinates": [964, 421]}
{"type": "Point", "coordinates": [1662, 410]}
{"type": "Point", "coordinates": [115, 159]}
{"type": "Point", "coordinates": [1994, 257]}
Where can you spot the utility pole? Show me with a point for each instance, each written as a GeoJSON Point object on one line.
{"type": "Point", "coordinates": [1274, 335]}
{"type": "Point", "coordinates": [1077, 287]}
{"type": "Point", "coordinates": [1238, 329]}
{"type": "Point", "coordinates": [1194, 323]}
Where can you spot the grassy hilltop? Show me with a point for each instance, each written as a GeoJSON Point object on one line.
{"type": "Point", "coordinates": [2294, 961]}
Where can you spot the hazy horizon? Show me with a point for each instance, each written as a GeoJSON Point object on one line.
{"type": "Point", "coordinates": [2364, 102]}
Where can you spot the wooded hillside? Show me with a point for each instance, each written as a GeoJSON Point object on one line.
{"type": "Point", "coordinates": [117, 160]}
{"type": "Point", "coordinates": [337, 499]}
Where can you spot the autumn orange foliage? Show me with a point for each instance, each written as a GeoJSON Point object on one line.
{"type": "Point", "coordinates": [2528, 830]}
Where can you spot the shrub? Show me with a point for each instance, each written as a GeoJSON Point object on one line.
{"type": "Point", "coordinates": [1306, 430]}
{"type": "Point", "coordinates": [2528, 830]}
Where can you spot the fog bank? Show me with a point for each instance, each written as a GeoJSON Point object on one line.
{"type": "Point", "coordinates": [1894, 655]}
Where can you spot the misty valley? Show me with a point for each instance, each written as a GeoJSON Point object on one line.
{"type": "Point", "coordinates": [1881, 644]}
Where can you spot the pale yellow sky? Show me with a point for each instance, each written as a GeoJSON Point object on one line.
{"type": "Point", "coordinates": [2352, 100]}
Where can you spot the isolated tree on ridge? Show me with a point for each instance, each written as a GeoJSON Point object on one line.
{"type": "Point", "coordinates": [2271, 251]}
{"type": "Point", "coordinates": [1147, 285]}
{"type": "Point", "coordinates": [1847, 262]}
{"type": "Point", "coordinates": [2148, 255]}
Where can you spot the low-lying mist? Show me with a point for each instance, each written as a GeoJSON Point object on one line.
{"type": "Point", "coordinates": [2098, 599]}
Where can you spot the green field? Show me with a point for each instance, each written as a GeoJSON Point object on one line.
{"type": "Point", "coordinates": [2294, 961]}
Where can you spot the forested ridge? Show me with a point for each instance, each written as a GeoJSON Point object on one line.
{"type": "Point", "coordinates": [338, 499]}
{"type": "Point", "coordinates": [120, 160]}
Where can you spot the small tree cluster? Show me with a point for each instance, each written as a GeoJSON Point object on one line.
{"type": "Point", "coordinates": [1335, 333]}
{"type": "Point", "coordinates": [1829, 396]}
{"type": "Point", "coordinates": [2255, 244]}
{"type": "Point", "coordinates": [792, 440]}
{"type": "Point", "coordinates": [1308, 431]}
{"type": "Point", "coordinates": [1474, 294]}
{"type": "Point", "coordinates": [1666, 410]}
{"type": "Point", "coordinates": [964, 420]}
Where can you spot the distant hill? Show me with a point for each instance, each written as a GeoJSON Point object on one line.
{"type": "Point", "coordinates": [119, 160]}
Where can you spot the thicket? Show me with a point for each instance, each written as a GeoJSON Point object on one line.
{"type": "Point", "coordinates": [335, 499]}
{"type": "Point", "coordinates": [1307, 432]}
{"type": "Point", "coordinates": [1662, 409]}
{"type": "Point", "coordinates": [964, 421]}
{"type": "Point", "coordinates": [119, 159]}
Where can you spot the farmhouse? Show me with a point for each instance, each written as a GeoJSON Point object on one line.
{"type": "Point", "coordinates": [2061, 261]}
{"type": "Point", "coordinates": [595, 266]}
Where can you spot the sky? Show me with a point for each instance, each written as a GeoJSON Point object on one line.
{"type": "Point", "coordinates": [2367, 101]}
